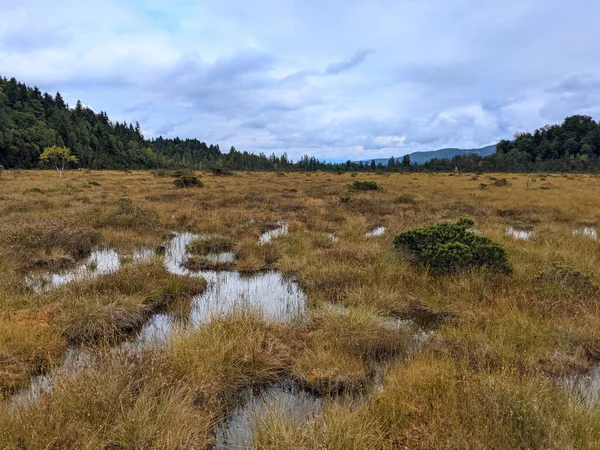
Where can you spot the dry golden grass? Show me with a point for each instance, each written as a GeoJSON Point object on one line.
{"type": "Point", "coordinates": [227, 355]}
{"type": "Point", "coordinates": [118, 402]}
{"type": "Point", "coordinates": [28, 343]}
{"type": "Point", "coordinates": [496, 340]}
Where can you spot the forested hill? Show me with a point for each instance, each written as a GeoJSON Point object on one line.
{"type": "Point", "coordinates": [577, 137]}
{"type": "Point", "coordinates": [444, 153]}
{"type": "Point", "coordinates": [31, 120]}
{"type": "Point", "coordinates": [573, 145]}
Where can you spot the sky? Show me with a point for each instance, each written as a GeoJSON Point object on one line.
{"type": "Point", "coordinates": [338, 79]}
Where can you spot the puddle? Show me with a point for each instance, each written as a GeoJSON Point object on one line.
{"type": "Point", "coordinates": [587, 232]}
{"type": "Point", "coordinates": [74, 359]}
{"type": "Point", "coordinates": [101, 261]}
{"type": "Point", "coordinates": [270, 294]}
{"type": "Point", "coordinates": [220, 257]}
{"type": "Point", "coordinates": [144, 255]}
{"type": "Point", "coordinates": [519, 234]}
{"type": "Point", "coordinates": [289, 401]}
{"type": "Point", "coordinates": [379, 231]}
{"type": "Point", "coordinates": [286, 399]}
{"type": "Point", "coordinates": [268, 236]}
{"type": "Point", "coordinates": [176, 253]}
{"type": "Point", "coordinates": [583, 386]}
{"type": "Point", "coordinates": [158, 330]}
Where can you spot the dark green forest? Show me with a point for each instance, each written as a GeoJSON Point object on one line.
{"type": "Point", "coordinates": [573, 146]}
{"type": "Point", "coordinates": [31, 121]}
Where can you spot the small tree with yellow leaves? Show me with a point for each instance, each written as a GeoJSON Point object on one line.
{"type": "Point", "coordinates": [59, 157]}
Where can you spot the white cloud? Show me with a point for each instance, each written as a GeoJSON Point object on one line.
{"type": "Point", "coordinates": [295, 76]}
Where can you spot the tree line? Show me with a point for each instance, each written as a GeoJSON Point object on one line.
{"type": "Point", "coordinates": [31, 121]}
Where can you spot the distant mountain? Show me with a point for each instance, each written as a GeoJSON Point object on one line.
{"type": "Point", "coordinates": [444, 153]}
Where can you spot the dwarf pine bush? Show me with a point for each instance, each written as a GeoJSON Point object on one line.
{"type": "Point", "coordinates": [503, 182]}
{"type": "Point", "coordinates": [448, 247]}
{"type": "Point", "coordinates": [185, 181]}
{"type": "Point", "coordinates": [364, 186]}
{"type": "Point", "coordinates": [222, 172]}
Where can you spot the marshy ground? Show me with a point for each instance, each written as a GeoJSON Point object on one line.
{"type": "Point", "coordinates": [376, 352]}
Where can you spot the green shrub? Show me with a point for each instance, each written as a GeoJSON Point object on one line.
{"type": "Point", "coordinates": [503, 182]}
{"type": "Point", "coordinates": [185, 181]}
{"type": "Point", "coordinates": [222, 172]}
{"type": "Point", "coordinates": [446, 248]}
{"type": "Point", "coordinates": [364, 186]}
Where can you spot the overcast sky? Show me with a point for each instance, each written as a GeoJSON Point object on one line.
{"type": "Point", "coordinates": [333, 78]}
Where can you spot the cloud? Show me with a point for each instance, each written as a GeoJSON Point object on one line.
{"type": "Point", "coordinates": [29, 41]}
{"type": "Point", "coordinates": [575, 82]}
{"type": "Point", "coordinates": [355, 60]}
{"type": "Point", "coordinates": [578, 93]}
{"type": "Point", "coordinates": [287, 76]}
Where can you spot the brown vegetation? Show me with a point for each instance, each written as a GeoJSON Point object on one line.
{"type": "Point", "coordinates": [485, 377]}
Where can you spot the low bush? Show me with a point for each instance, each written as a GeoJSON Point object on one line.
{"type": "Point", "coordinates": [364, 186]}
{"type": "Point", "coordinates": [186, 181]}
{"type": "Point", "coordinates": [503, 182]}
{"type": "Point", "coordinates": [222, 172]}
{"type": "Point", "coordinates": [446, 248]}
